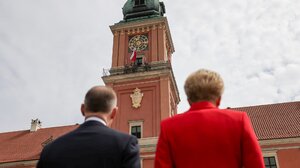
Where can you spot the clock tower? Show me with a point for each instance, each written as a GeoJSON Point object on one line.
{"type": "Point", "coordinates": [141, 73]}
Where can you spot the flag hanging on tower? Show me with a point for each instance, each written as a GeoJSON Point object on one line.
{"type": "Point", "coordinates": [133, 56]}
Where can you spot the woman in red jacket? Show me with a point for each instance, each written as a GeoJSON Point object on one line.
{"type": "Point", "coordinates": [206, 136]}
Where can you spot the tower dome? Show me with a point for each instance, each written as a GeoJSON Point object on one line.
{"type": "Point", "coordinates": [140, 9]}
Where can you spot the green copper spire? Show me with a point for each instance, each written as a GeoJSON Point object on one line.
{"type": "Point", "coordinates": [141, 9]}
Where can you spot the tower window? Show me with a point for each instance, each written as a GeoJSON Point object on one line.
{"type": "Point", "coordinates": [139, 61]}
{"type": "Point", "coordinates": [136, 131]}
{"type": "Point", "coordinates": [139, 2]}
{"type": "Point", "coordinates": [136, 128]}
{"type": "Point", "coordinates": [270, 162]}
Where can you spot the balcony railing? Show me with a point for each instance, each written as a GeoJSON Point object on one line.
{"type": "Point", "coordinates": [134, 68]}
{"type": "Point", "coordinates": [131, 68]}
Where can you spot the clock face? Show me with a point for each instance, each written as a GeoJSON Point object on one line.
{"type": "Point", "coordinates": [138, 43]}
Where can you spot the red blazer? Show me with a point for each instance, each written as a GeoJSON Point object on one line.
{"type": "Point", "coordinates": [207, 137]}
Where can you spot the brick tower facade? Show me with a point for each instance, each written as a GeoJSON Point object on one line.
{"type": "Point", "coordinates": [141, 73]}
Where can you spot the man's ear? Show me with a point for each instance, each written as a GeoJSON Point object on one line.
{"type": "Point", "coordinates": [218, 102]}
{"type": "Point", "coordinates": [112, 116]}
{"type": "Point", "coordinates": [82, 108]}
{"type": "Point", "coordinates": [113, 113]}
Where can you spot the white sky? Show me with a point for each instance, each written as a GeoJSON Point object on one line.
{"type": "Point", "coordinates": [53, 51]}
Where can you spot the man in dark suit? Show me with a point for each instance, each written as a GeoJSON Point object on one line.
{"type": "Point", "coordinates": [206, 136]}
{"type": "Point", "coordinates": [93, 144]}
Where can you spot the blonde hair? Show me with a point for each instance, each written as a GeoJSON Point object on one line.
{"type": "Point", "coordinates": [203, 85]}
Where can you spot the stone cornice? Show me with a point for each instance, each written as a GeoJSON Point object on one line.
{"type": "Point", "coordinates": [272, 149]}
{"type": "Point", "coordinates": [148, 144]}
{"type": "Point", "coordinates": [158, 69]}
{"type": "Point", "coordinates": [121, 78]}
{"type": "Point", "coordinates": [280, 141]}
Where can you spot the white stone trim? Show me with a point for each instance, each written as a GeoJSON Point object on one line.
{"type": "Point", "coordinates": [19, 163]}
{"type": "Point", "coordinates": [280, 141]}
{"type": "Point", "coordinates": [151, 156]}
{"type": "Point", "coordinates": [265, 149]}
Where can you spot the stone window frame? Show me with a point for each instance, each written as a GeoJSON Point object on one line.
{"type": "Point", "coordinates": [272, 154]}
{"type": "Point", "coordinates": [139, 58]}
{"type": "Point", "coordinates": [137, 123]}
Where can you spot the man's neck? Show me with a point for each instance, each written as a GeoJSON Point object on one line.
{"type": "Point", "coordinates": [96, 118]}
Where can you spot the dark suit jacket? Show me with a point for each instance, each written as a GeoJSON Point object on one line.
{"type": "Point", "coordinates": [92, 145]}
{"type": "Point", "coordinates": [208, 137]}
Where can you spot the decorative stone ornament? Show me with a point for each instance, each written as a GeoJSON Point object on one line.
{"type": "Point", "coordinates": [136, 98]}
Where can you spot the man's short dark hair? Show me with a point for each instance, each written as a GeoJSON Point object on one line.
{"type": "Point", "coordinates": [100, 99]}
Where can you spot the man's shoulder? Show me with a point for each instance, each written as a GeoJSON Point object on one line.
{"type": "Point", "coordinates": [96, 134]}
{"type": "Point", "coordinates": [106, 131]}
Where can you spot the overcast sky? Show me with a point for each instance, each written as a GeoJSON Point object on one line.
{"type": "Point", "coordinates": [53, 51]}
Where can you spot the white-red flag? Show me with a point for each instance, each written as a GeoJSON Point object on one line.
{"type": "Point", "coordinates": [133, 56]}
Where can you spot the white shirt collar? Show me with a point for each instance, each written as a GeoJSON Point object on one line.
{"type": "Point", "coordinates": [96, 119]}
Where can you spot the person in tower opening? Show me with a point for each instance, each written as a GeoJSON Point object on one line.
{"type": "Point", "coordinates": [93, 143]}
{"type": "Point", "coordinates": [206, 136]}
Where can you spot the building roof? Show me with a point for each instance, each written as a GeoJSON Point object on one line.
{"type": "Point", "coordinates": [275, 121]}
{"type": "Point", "coordinates": [26, 145]}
